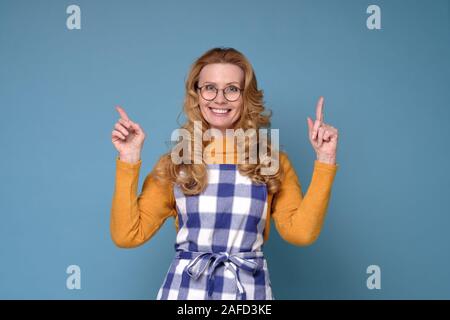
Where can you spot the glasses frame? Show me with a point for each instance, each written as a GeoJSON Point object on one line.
{"type": "Point", "coordinates": [217, 91]}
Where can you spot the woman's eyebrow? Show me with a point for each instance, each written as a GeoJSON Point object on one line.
{"type": "Point", "coordinates": [226, 84]}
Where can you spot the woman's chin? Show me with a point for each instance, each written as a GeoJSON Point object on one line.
{"type": "Point", "coordinates": [220, 123]}
{"type": "Point", "coordinates": [219, 126]}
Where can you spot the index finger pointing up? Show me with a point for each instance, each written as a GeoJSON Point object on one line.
{"type": "Point", "coordinates": [122, 113]}
{"type": "Point", "coordinates": [319, 110]}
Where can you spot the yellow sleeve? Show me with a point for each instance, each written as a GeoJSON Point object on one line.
{"type": "Point", "coordinates": [135, 219]}
{"type": "Point", "coordinates": [299, 219]}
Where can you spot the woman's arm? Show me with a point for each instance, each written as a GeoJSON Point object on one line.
{"type": "Point", "coordinates": [135, 219]}
{"type": "Point", "coordinates": [299, 219]}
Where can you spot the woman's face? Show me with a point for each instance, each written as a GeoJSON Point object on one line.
{"type": "Point", "coordinates": [221, 75]}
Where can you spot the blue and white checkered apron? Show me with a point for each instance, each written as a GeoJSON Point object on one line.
{"type": "Point", "coordinates": [219, 242]}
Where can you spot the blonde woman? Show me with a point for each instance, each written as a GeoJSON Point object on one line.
{"type": "Point", "coordinates": [222, 206]}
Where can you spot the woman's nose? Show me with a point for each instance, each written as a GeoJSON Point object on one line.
{"type": "Point", "coordinates": [220, 98]}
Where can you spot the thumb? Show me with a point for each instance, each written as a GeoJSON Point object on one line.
{"type": "Point", "coordinates": [135, 127]}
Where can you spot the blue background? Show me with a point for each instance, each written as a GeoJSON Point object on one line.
{"type": "Point", "coordinates": [387, 91]}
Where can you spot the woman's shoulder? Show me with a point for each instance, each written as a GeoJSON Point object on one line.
{"type": "Point", "coordinates": [160, 171]}
{"type": "Point", "coordinates": [285, 162]}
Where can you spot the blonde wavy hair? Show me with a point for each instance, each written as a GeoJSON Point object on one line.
{"type": "Point", "coordinates": [191, 177]}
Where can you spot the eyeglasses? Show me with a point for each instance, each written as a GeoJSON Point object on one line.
{"type": "Point", "coordinates": [209, 92]}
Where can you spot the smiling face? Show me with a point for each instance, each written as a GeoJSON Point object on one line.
{"type": "Point", "coordinates": [220, 113]}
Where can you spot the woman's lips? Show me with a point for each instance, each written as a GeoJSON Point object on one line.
{"type": "Point", "coordinates": [220, 112]}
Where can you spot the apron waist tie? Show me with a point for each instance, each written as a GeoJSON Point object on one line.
{"type": "Point", "coordinates": [202, 260]}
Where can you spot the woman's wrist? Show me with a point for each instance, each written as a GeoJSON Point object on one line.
{"type": "Point", "coordinates": [329, 159]}
{"type": "Point", "coordinates": [130, 158]}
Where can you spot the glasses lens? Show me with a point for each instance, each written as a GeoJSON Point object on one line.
{"type": "Point", "coordinates": [232, 93]}
{"type": "Point", "coordinates": [208, 92]}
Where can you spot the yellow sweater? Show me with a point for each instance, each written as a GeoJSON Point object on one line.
{"type": "Point", "coordinates": [298, 219]}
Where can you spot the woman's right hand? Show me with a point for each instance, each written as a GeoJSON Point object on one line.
{"type": "Point", "coordinates": [128, 138]}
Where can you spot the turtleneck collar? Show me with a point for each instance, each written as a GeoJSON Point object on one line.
{"type": "Point", "coordinates": [220, 150]}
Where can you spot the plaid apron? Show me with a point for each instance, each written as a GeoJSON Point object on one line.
{"type": "Point", "coordinates": [219, 242]}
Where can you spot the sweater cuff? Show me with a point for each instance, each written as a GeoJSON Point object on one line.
{"type": "Point", "coordinates": [127, 165]}
{"type": "Point", "coordinates": [326, 166]}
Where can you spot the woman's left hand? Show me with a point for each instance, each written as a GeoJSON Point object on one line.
{"type": "Point", "coordinates": [322, 136]}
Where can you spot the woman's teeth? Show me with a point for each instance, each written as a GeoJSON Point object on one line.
{"type": "Point", "coordinates": [220, 111]}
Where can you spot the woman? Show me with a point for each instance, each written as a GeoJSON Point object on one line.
{"type": "Point", "coordinates": [222, 206]}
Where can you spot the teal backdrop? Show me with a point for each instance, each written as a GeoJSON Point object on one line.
{"type": "Point", "coordinates": [386, 90]}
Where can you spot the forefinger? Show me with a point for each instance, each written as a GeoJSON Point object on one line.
{"type": "Point", "coordinates": [319, 110]}
{"type": "Point", "coordinates": [122, 113]}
